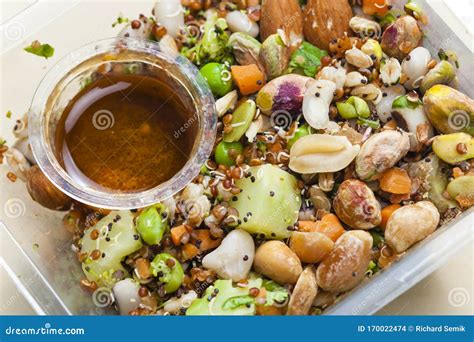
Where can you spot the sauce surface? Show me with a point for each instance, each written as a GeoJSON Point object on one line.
{"type": "Point", "coordinates": [119, 132]}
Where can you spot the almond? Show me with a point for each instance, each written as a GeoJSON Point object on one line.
{"type": "Point", "coordinates": [285, 15]}
{"type": "Point", "coordinates": [326, 20]}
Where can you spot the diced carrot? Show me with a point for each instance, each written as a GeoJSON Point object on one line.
{"type": "Point", "coordinates": [206, 241]}
{"type": "Point", "coordinates": [330, 226]}
{"type": "Point", "coordinates": [375, 7]}
{"type": "Point", "coordinates": [387, 212]}
{"type": "Point", "coordinates": [177, 233]}
{"type": "Point", "coordinates": [249, 78]}
{"type": "Point", "coordinates": [457, 172]}
{"type": "Point", "coordinates": [189, 251]}
{"type": "Point", "coordinates": [396, 181]}
{"type": "Point", "coordinates": [308, 226]}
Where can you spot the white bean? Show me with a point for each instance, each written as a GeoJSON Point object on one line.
{"type": "Point", "coordinates": [234, 257]}
{"type": "Point", "coordinates": [126, 295]}
{"type": "Point", "coordinates": [240, 22]}
{"type": "Point", "coordinates": [415, 67]}
{"type": "Point", "coordinates": [170, 14]}
{"type": "Point", "coordinates": [384, 107]}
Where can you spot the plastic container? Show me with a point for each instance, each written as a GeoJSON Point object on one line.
{"type": "Point", "coordinates": [40, 260]}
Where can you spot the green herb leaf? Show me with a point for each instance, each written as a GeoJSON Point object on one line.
{"type": "Point", "coordinates": [42, 50]}
{"type": "Point", "coordinates": [306, 59]}
{"type": "Point", "coordinates": [235, 302]}
{"type": "Point", "coordinates": [9, 114]}
{"type": "Point", "coordinates": [390, 17]}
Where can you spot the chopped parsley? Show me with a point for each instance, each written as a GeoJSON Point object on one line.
{"type": "Point", "coordinates": [235, 302]}
{"type": "Point", "coordinates": [306, 59]}
{"type": "Point", "coordinates": [375, 124]}
{"type": "Point", "coordinates": [120, 20]}
{"type": "Point", "coordinates": [42, 50]}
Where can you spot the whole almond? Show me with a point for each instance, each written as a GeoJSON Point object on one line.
{"type": "Point", "coordinates": [326, 20]}
{"type": "Point", "coordinates": [278, 262]}
{"type": "Point", "coordinates": [285, 15]}
{"type": "Point", "coordinates": [347, 263]}
{"type": "Point", "coordinates": [410, 224]}
{"type": "Point", "coordinates": [304, 293]}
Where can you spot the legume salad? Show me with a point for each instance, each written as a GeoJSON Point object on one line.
{"type": "Point", "coordinates": [341, 143]}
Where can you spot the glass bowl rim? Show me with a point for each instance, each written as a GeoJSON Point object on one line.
{"type": "Point", "coordinates": [108, 199]}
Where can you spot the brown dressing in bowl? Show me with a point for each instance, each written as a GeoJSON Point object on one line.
{"type": "Point", "coordinates": [120, 132]}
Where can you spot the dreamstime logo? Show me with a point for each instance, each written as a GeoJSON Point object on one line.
{"type": "Point", "coordinates": [202, 287]}
{"type": "Point", "coordinates": [365, 28]}
{"type": "Point", "coordinates": [368, 209]}
{"type": "Point", "coordinates": [283, 303]}
{"type": "Point", "coordinates": [187, 124]}
{"type": "Point", "coordinates": [376, 4]}
{"type": "Point", "coordinates": [458, 297]}
{"type": "Point", "coordinates": [383, 5]}
{"type": "Point", "coordinates": [371, 32]}
{"type": "Point", "coordinates": [14, 208]}
{"type": "Point", "coordinates": [192, 30]}
{"type": "Point", "coordinates": [193, 209]}
{"type": "Point", "coordinates": [102, 297]}
{"type": "Point", "coordinates": [458, 120]}
{"type": "Point", "coordinates": [226, 75]}
{"type": "Point", "coordinates": [103, 119]}
{"type": "Point", "coordinates": [14, 31]}
{"type": "Point", "coordinates": [281, 118]}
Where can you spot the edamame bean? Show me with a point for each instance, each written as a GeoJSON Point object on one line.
{"type": "Point", "coordinates": [168, 270]}
{"type": "Point", "coordinates": [151, 224]}
{"type": "Point", "coordinates": [222, 152]}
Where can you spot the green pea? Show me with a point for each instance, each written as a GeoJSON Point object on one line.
{"type": "Point", "coordinates": [222, 152]}
{"type": "Point", "coordinates": [168, 270]}
{"type": "Point", "coordinates": [354, 107]}
{"type": "Point", "coordinates": [301, 131]}
{"type": "Point", "coordinates": [151, 225]}
{"type": "Point", "coordinates": [218, 78]}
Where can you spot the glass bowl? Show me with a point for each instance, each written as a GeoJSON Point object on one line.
{"type": "Point", "coordinates": [74, 71]}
